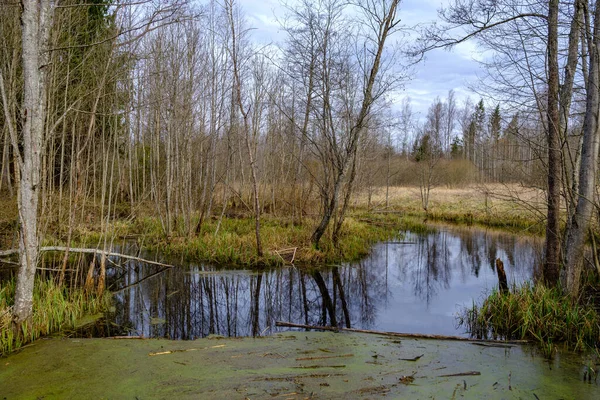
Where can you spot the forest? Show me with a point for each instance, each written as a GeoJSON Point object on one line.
{"type": "Point", "coordinates": [168, 120]}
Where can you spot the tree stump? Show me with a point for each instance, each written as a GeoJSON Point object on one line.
{"type": "Point", "coordinates": [502, 282]}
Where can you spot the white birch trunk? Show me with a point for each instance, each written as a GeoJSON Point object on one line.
{"type": "Point", "coordinates": [36, 21]}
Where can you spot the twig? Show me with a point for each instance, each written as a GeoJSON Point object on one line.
{"type": "Point", "coordinates": [283, 252]}
{"type": "Point", "coordinates": [320, 366]}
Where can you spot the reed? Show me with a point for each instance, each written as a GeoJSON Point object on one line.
{"type": "Point", "coordinates": [546, 316]}
{"type": "Point", "coordinates": [54, 308]}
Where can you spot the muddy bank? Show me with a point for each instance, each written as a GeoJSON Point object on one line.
{"type": "Point", "coordinates": [292, 365]}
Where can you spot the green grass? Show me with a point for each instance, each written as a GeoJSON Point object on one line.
{"type": "Point", "coordinates": [235, 241]}
{"type": "Point", "coordinates": [545, 316]}
{"type": "Point", "coordinates": [54, 308]}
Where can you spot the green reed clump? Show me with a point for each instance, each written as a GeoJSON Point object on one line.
{"type": "Point", "coordinates": [546, 316]}
{"type": "Point", "coordinates": [54, 307]}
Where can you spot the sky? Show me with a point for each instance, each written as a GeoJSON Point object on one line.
{"type": "Point", "coordinates": [438, 73]}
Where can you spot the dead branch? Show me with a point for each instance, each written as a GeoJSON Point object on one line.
{"type": "Point", "coordinates": [88, 251]}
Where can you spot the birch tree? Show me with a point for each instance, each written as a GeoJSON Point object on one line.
{"type": "Point", "coordinates": [36, 21]}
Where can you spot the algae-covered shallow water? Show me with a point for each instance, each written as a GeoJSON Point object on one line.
{"type": "Point", "coordinates": [416, 285]}
{"type": "Point", "coordinates": [291, 365]}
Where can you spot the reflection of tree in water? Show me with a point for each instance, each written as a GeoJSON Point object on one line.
{"type": "Point", "coordinates": [200, 300]}
{"type": "Point", "coordinates": [432, 265]}
{"type": "Point", "coordinates": [188, 304]}
{"type": "Point", "coordinates": [469, 251]}
{"type": "Point", "coordinates": [519, 254]}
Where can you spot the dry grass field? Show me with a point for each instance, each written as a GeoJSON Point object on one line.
{"type": "Point", "coordinates": [510, 205]}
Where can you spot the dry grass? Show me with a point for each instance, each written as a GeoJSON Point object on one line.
{"type": "Point", "coordinates": [511, 206]}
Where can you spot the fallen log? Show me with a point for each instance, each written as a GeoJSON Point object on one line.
{"type": "Point", "coordinates": [89, 251]}
{"type": "Point", "coordinates": [395, 334]}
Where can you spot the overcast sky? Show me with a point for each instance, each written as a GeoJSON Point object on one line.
{"type": "Point", "coordinates": [435, 76]}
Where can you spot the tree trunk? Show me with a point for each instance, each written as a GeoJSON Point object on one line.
{"type": "Point", "coordinates": [36, 20]}
{"type": "Point", "coordinates": [587, 173]}
{"type": "Point", "coordinates": [329, 206]}
{"type": "Point", "coordinates": [552, 256]}
{"type": "Point", "coordinates": [250, 147]}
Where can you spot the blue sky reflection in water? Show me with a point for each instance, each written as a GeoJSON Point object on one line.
{"type": "Point", "coordinates": [417, 285]}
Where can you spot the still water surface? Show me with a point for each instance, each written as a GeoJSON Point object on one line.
{"type": "Point", "coordinates": [415, 285]}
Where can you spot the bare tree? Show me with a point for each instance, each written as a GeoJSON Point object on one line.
{"type": "Point", "coordinates": [338, 156]}
{"type": "Point", "coordinates": [250, 130]}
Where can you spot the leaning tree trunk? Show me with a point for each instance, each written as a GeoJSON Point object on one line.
{"type": "Point", "coordinates": [587, 173]}
{"type": "Point", "coordinates": [36, 20]}
{"type": "Point", "coordinates": [385, 24]}
{"type": "Point", "coordinates": [329, 206]}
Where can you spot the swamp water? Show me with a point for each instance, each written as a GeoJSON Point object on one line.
{"type": "Point", "coordinates": [416, 285]}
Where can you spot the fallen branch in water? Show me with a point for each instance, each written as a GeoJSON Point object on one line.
{"type": "Point", "coordinates": [323, 357]}
{"type": "Point", "coordinates": [395, 334]}
{"type": "Point", "coordinates": [126, 337]}
{"type": "Point", "coordinates": [468, 373]}
{"type": "Point", "coordinates": [500, 345]}
{"type": "Point", "coordinates": [412, 359]}
{"type": "Point", "coordinates": [141, 280]}
{"type": "Point", "coordinates": [88, 251]}
{"type": "Point", "coordinates": [160, 353]}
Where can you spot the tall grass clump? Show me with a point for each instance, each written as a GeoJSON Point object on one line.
{"type": "Point", "coordinates": [546, 316]}
{"type": "Point", "coordinates": [54, 308]}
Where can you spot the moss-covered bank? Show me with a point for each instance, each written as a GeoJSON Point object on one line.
{"type": "Point", "coordinates": [233, 243]}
